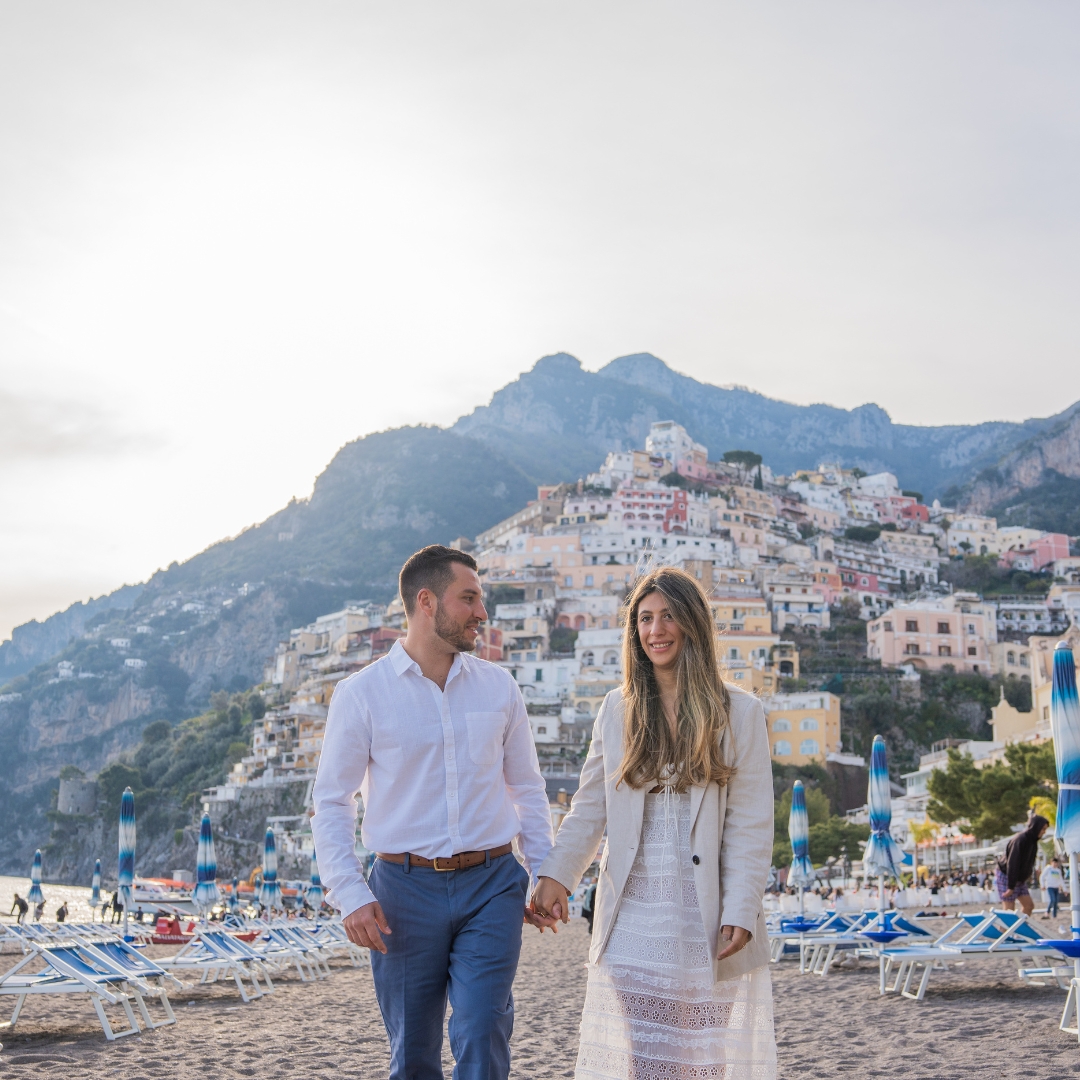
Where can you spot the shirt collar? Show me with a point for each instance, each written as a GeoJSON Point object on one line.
{"type": "Point", "coordinates": [402, 662]}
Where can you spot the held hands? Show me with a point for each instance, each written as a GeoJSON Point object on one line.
{"type": "Point", "coordinates": [550, 905]}
{"type": "Point", "coordinates": [363, 926]}
{"type": "Point", "coordinates": [732, 939]}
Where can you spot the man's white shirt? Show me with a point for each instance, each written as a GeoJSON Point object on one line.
{"type": "Point", "coordinates": [439, 771]}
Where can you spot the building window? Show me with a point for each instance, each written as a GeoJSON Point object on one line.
{"type": "Point", "coordinates": [911, 648]}
{"type": "Point", "coordinates": [539, 675]}
{"type": "Point", "coordinates": [588, 579]}
{"type": "Point", "coordinates": [782, 748]}
{"type": "Point", "coordinates": [733, 654]}
{"type": "Point", "coordinates": [945, 650]}
{"type": "Point", "coordinates": [972, 651]}
{"type": "Point", "coordinates": [530, 656]}
{"type": "Point", "coordinates": [1023, 661]}
{"type": "Point", "coordinates": [942, 627]}
{"type": "Point", "coordinates": [1010, 658]}
{"type": "Point", "coordinates": [888, 626]}
{"type": "Point", "coordinates": [781, 725]}
{"type": "Point", "coordinates": [541, 730]}
{"type": "Point", "coordinates": [1046, 712]}
{"type": "Point", "coordinates": [808, 723]}
{"type": "Point", "coordinates": [568, 581]}
{"type": "Point", "coordinates": [911, 626]}
{"type": "Point", "coordinates": [809, 747]}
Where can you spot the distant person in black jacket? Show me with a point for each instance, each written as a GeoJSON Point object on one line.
{"type": "Point", "coordinates": [1015, 866]}
{"type": "Point", "coordinates": [588, 904]}
{"type": "Point", "coordinates": [23, 908]}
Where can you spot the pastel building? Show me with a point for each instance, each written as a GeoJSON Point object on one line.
{"type": "Point", "coordinates": [803, 727]}
{"type": "Point", "coordinates": [930, 634]}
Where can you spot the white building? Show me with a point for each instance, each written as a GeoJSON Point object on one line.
{"type": "Point", "coordinates": [600, 649]}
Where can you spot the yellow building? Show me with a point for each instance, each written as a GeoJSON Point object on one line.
{"type": "Point", "coordinates": [804, 727]}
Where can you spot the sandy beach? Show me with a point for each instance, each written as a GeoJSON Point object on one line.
{"type": "Point", "coordinates": [983, 1021]}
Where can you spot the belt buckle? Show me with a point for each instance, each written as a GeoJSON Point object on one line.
{"type": "Point", "coordinates": [442, 869]}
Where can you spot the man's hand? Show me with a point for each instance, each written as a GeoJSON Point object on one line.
{"type": "Point", "coordinates": [732, 939]}
{"type": "Point", "coordinates": [363, 926]}
{"type": "Point", "coordinates": [550, 904]}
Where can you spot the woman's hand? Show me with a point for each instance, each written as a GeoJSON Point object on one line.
{"type": "Point", "coordinates": [732, 939]}
{"type": "Point", "coordinates": [550, 904]}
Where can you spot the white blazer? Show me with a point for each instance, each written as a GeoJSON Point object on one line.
{"type": "Point", "coordinates": [731, 832]}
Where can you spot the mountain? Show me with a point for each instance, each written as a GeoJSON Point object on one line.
{"type": "Point", "coordinates": [210, 623]}
{"type": "Point", "coordinates": [1036, 483]}
{"type": "Point", "coordinates": [561, 419]}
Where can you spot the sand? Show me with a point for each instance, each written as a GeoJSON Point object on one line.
{"type": "Point", "coordinates": [978, 1020]}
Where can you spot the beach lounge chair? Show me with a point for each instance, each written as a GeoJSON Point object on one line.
{"type": "Point", "coordinates": [992, 933]}
{"type": "Point", "coordinates": [69, 972]}
{"type": "Point", "coordinates": [217, 955]}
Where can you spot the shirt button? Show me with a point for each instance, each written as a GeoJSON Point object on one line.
{"type": "Point", "coordinates": [695, 860]}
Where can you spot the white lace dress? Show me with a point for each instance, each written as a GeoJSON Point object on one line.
{"type": "Point", "coordinates": [652, 1010]}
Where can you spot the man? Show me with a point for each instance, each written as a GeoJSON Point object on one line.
{"type": "Point", "coordinates": [1052, 881]}
{"type": "Point", "coordinates": [22, 906]}
{"type": "Point", "coordinates": [439, 745]}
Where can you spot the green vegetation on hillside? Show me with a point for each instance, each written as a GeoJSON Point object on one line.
{"type": "Point", "coordinates": [172, 765]}
{"type": "Point", "coordinates": [983, 574]}
{"type": "Point", "coordinates": [831, 836]}
{"type": "Point", "coordinates": [991, 800]}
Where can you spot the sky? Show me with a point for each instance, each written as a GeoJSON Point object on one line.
{"type": "Point", "coordinates": [235, 236]}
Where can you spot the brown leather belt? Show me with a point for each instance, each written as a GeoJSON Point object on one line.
{"type": "Point", "coordinates": [464, 860]}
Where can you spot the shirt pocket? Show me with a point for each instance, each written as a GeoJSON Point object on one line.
{"type": "Point", "coordinates": [485, 736]}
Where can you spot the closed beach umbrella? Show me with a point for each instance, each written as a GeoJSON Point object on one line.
{"type": "Point", "coordinates": [125, 876]}
{"type": "Point", "coordinates": [206, 890]}
{"type": "Point", "coordinates": [234, 896]}
{"type": "Point", "coordinates": [315, 891]}
{"type": "Point", "coordinates": [1065, 727]}
{"type": "Point", "coordinates": [270, 892]}
{"type": "Point", "coordinates": [95, 885]}
{"type": "Point", "coordinates": [883, 855]}
{"type": "Point", "coordinates": [1065, 724]}
{"type": "Point", "coordinates": [35, 895]}
{"type": "Point", "coordinates": [801, 872]}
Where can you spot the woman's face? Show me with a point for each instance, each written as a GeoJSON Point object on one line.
{"type": "Point", "coordinates": [660, 635]}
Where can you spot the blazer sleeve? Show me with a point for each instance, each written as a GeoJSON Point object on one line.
{"type": "Point", "coordinates": [579, 835]}
{"type": "Point", "coordinates": [746, 850]}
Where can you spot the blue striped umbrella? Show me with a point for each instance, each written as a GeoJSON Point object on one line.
{"type": "Point", "coordinates": [95, 885]}
{"type": "Point", "coordinates": [270, 892]}
{"type": "Point", "coordinates": [315, 891]}
{"type": "Point", "coordinates": [206, 893]}
{"type": "Point", "coordinates": [883, 855]}
{"type": "Point", "coordinates": [35, 895]}
{"type": "Point", "coordinates": [125, 876]}
{"type": "Point", "coordinates": [1065, 725]}
{"type": "Point", "coordinates": [234, 897]}
{"type": "Point", "coordinates": [801, 872]}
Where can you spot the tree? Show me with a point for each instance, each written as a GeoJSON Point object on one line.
{"type": "Point", "coordinates": [746, 458]}
{"type": "Point", "coordinates": [992, 800]}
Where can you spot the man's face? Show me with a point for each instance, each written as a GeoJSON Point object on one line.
{"type": "Point", "coordinates": [460, 610]}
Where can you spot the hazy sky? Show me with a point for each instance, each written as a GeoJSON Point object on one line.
{"type": "Point", "coordinates": [234, 236]}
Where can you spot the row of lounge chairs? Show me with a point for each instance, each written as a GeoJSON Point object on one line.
{"type": "Point", "coordinates": [91, 960]}
{"type": "Point", "coordinates": [909, 953]}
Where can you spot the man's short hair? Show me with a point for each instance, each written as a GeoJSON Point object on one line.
{"type": "Point", "coordinates": [430, 568]}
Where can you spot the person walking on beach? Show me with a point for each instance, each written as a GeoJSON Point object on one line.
{"type": "Point", "coordinates": [439, 745]}
{"type": "Point", "coordinates": [588, 905]}
{"type": "Point", "coordinates": [62, 912]}
{"type": "Point", "coordinates": [1015, 866]}
{"type": "Point", "coordinates": [679, 773]}
{"type": "Point", "coordinates": [20, 905]}
{"type": "Point", "coordinates": [1052, 881]}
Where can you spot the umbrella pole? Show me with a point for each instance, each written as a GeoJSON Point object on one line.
{"type": "Point", "coordinates": [1074, 906]}
{"type": "Point", "coordinates": [881, 898]}
{"type": "Point", "coordinates": [126, 906]}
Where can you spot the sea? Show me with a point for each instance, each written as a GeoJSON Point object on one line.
{"type": "Point", "coordinates": [77, 897]}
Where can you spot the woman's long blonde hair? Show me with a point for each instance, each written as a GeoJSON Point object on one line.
{"type": "Point", "coordinates": [704, 704]}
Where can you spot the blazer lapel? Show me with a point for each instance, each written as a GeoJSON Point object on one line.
{"type": "Point", "coordinates": [697, 793]}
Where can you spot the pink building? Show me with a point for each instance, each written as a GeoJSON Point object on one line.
{"type": "Point", "coordinates": [1040, 554]}
{"type": "Point", "coordinates": [929, 635]}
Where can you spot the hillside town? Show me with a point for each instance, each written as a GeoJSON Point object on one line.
{"type": "Point", "coordinates": [778, 555]}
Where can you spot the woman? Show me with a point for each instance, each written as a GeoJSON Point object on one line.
{"type": "Point", "coordinates": [679, 773]}
{"type": "Point", "coordinates": [1014, 868]}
